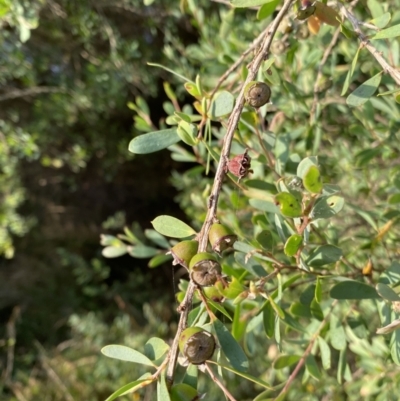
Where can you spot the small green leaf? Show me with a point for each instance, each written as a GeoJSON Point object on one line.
{"type": "Point", "coordinates": [325, 353]}
{"type": "Point", "coordinates": [263, 205]}
{"type": "Point", "coordinates": [391, 32]}
{"type": "Point", "coordinates": [316, 310]}
{"type": "Point", "coordinates": [158, 260]}
{"type": "Point", "coordinates": [324, 255]}
{"type": "Point", "coordinates": [293, 244]}
{"type": "Point", "coordinates": [187, 132]}
{"type": "Point", "coordinates": [350, 72]}
{"type": "Point", "coordinates": [327, 206]}
{"type": "Point", "coordinates": [157, 238]}
{"type": "Point", "coordinates": [387, 293]}
{"type": "Point", "coordinates": [155, 348]}
{"type": "Point", "coordinates": [129, 388]}
{"type": "Point", "coordinates": [162, 389]}
{"type": "Point", "coordinates": [351, 289]}
{"type": "Point", "coordinates": [305, 165]}
{"type": "Point", "coordinates": [265, 239]}
{"type": "Point", "coordinates": [153, 141]}
{"type": "Point", "coordinates": [267, 9]}
{"type": "Point", "coordinates": [312, 367]}
{"type": "Point", "coordinates": [289, 205]}
{"type": "Point", "coordinates": [381, 21]}
{"type": "Point", "coordinates": [312, 180]}
{"type": "Point", "coordinates": [269, 320]}
{"type": "Point", "coordinates": [231, 349]}
{"type": "Point", "coordinates": [126, 354]}
{"type": "Point", "coordinates": [336, 334]}
{"type": "Point", "coordinates": [172, 227]}
{"type": "Point", "coordinates": [114, 251]}
{"type": "Point", "coordinates": [142, 251]}
{"type": "Point", "coordinates": [221, 105]}
{"type": "Point", "coordinates": [318, 290]}
{"type": "Point", "coordinates": [395, 347]}
{"type": "Point", "coordinates": [286, 360]}
{"type": "Point", "coordinates": [220, 308]}
{"type": "Point", "coordinates": [359, 96]}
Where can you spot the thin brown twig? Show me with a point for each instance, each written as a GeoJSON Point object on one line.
{"type": "Point", "coordinates": [393, 72]}
{"type": "Point", "coordinates": [256, 42]}
{"type": "Point", "coordinates": [306, 353]}
{"type": "Point", "coordinates": [218, 382]}
{"type": "Point", "coordinates": [233, 122]}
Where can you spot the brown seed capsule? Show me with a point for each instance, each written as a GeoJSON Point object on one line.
{"type": "Point", "coordinates": [305, 12]}
{"type": "Point", "coordinates": [221, 237]}
{"type": "Point", "coordinates": [204, 269]}
{"type": "Point", "coordinates": [257, 94]}
{"type": "Point", "coordinates": [240, 165]}
{"type": "Point", "coordinates": [197, 345]}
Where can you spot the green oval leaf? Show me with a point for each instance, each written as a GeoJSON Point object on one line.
{"type": "Point", "coordinates": [221, 105]}
{"type": "Point", "coordinates": [286, 360]}
{"type": "Point", "coordinates": [172, 227]}
{"type": "Point", "coordinates": [327, 206]}
{"type": "Point", "coordinates": [364, 91]}
{"type": "Point", "coordinates": [269, 320]}
{"type": "Point", "coordinates": [323, 255]}
{"type": "Point", "coordinates": [387, 293]}
{"type": "Point", "coordinates": [293, 244]}
{"type": "Point", "coordinates": [288, 204]}
{"type": "Point", "coordinates": [162, 389]}
{"type": "Point", "coordinates": [126, 354]}
{"type": "Point", "coordinates": [312, 367]}
{"type": "Point", "coordinates": [267, 9]}
{"type": "Point", "coordinates": [351, 289]}
{"type": "Point", "coordinates": [155, 348]}
{"type": "Point", "coordinates": [231, 349]}
{"type": "Point", "coordinates": [114, 251]}
{"type": "Point", "coordinates": [153, 141]}
{"type": "Point", "coordinates": [158, 260]}
{"type": "Point", "coordinates": [142, 251]}
{"type": "Point", "coordinates": [382, 20]}
{"type": "Point", "coordinates": [391, 32]}
{"type": "Point", "coordinates": [312, 180]}
{"type": "Point", "coordinates": [325, 353]}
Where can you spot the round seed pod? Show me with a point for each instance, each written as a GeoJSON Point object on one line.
{"type": "Point", "coordinates": [183, 252]}
{"type": "Point", "coordinates": [257, 94]}
{"type": "Point", "coordinates": [197, 345]}
{"type": "Point", "coordinates": [204, 269]}
{"type": "Point", "coordinates": [221, 237]}
{"type": "Point", "coordinates": [213, 294]}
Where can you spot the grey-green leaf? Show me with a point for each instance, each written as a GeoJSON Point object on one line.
{"type": "Point", "coordinates": [172, 227]}
{"type": "Point", "coordinates": [351, 289]}
{"type": "Point", "coordinates": [126, 354]}
{"type": "Point", "coordinates": [162, 390]}
{"type": "Point", "coordinates": [323, 255]}
{"type": "Point", "coordinates": [391, 32]}
{"type": "Point", "coordinates": [155, 348]}
{"type": "Point", "coordinates": [387, 293]}
{"type": "Point", "coordinates": [114, 251]}
{"type": "Point", "coordinates": [222, 105]}
{"type": "Point", "coordinates": [327, 206]}
{"type": "Point", "coordinates": [154, 141]}
{"type": "Point", "coordinates": [325, 352]}
{"type": "Point", "coordinates": [232, 350]}
{"type": "Point", "coordinates": [360, 95]}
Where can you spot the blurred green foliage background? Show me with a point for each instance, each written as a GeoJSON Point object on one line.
{"type": "Point", "coordinates": [68, 70]}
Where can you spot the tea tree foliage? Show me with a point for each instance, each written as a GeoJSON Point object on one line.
{"type": "Point", "coordinates": [311, 271]}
